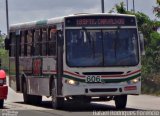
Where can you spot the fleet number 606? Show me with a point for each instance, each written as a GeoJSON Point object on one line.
{"type": "Point", "coordinates": [93, 79]}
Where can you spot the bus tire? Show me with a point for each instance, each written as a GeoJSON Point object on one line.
{"type": "Point", "coordinates": [27, 98]}
{"type": "Point", "coordinates": [36, 100]}
{"type": "Point", "coordinates": [1, 103]}
{"type": "Point", "coordinates": [120, 101]}
{"type": "Point", "coordinates": [30, 99]}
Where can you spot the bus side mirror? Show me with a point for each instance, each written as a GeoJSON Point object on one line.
{"type": "Point", "coordinates": [141, 37]}
{"type": "Point", "coordinates": [7, 43]}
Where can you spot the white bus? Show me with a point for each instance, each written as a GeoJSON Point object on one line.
{"type": "Point", "coordinates": [82, 57]}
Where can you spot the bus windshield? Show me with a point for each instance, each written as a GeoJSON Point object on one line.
{"type": "Point", "coordinates": [101, 48]}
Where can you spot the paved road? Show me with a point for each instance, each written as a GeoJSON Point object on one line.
{"type": "Point", "coordinates": [15, 105]}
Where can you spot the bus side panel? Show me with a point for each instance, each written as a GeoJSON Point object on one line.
{"type": "Point", "coordinates": [25, 69]}
{"type": "Point", "coordinates": [12, 74]}
{"type": "Point", "coordinates": [38, 86]}
{"type": "Point", "coordinates": [38, 72]}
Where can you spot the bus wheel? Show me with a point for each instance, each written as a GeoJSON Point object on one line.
{"type": "Point", "coordinates": [27, 98]}
{"type": "Point", "coordinates": [30, 99]}
{"type": "Point", "coordinates": [36, 100]}
{"type": "Point", "coordinates": [1, 103]}
{"type": "Point", "coordinates": [121, 101]}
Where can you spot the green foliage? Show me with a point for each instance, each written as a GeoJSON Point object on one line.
{"type": "Point", "coordinates": [120, 8]}
{"type": "Point", "coordinates": [157, 13]}
{"type": "Point", "coordinates": [155, 40]}
{"type": "Point", "coordinates": [158, 2]}
{"type": "Point", "coordinates": [3, 55]}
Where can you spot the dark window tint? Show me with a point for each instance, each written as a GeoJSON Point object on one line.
{"type": "Point", "coordinates": [102, 48]}
{"type": "Point", "coordinates": [29, 43]}
{"type": "Point", "coordinates": [37, 42]}
{"type": "Point", "coordinates": [44, 42]}
{"type": "Point", "coordinates": [52, 42]}
{"type": "Point", "coordinates": [22, 43]}
{"type": "Point", "coordinates": [13, 44]}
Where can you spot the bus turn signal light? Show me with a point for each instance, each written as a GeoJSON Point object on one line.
{"type": "Point", "coordinates": [130, 88]}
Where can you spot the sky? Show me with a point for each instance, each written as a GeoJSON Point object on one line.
{"type": "Point", "coordinates": [28, 10]}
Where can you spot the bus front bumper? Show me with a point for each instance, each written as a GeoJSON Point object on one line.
{"type": "Point", "coordinates": [102, 90]}
{"type": "Point", "coordinates": [3, 92]}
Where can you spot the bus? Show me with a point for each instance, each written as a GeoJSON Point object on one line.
{"type": "Point", "coordinates": [76, 58]}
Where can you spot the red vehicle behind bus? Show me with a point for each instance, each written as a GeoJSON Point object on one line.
{"type": "Point", "coordinates": [3, 88]}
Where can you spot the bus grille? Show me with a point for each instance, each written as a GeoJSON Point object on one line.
{"type": "Point", "coordinates": [103, 90]}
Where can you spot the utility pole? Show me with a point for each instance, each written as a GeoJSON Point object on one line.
{"type": "Point", "coordinates": [133, 7]}
{"type": "Point", "coordinates": [102, 5]}
{"type": "Point", "coordinates": [127, 4]}
{"type": "Point", "coordinates": [7, 19]}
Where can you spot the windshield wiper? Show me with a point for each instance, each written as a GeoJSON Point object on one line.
{"type": "Point", "coordinates": [90, 40]}
{"type": "Point", "coordinates": [84, 34]}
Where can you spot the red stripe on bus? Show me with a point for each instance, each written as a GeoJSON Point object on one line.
{"type": "Point", "coordinates": [122, 75]}
{"type": "Point", "coordinates": [83, 76]}
{"type": "Point", "coordinates": [74, 74]}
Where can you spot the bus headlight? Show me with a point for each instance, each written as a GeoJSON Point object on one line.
{"type": "Point", "coordinates": [71, 82]}
{"type": "Point", "coordinates": [135, 80]}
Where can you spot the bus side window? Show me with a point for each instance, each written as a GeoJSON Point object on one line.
{"type": "Point", "coordinates": [44, 42]}
{"type": "Point", "coordinates": [25, 43]}
{"type": "Point", "coordinates": [37, 42]}
{"type": "Point", "coordinates": [22, 40]}
{"type": "Point", "coordinates": [29, 43]}
{"type": "Point", "coordinates": [20, 43]}
{"type": "Point", "coordinates": [52, 42]}
{"type": "Point", "coordinates": [12, 45]}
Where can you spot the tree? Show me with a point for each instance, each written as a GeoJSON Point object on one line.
{"type": "Point", "coordinates": [119, 8]}
{"type": "Point", "coordinates": [158, 2]}
{"type": "Point", "coordinates": [157, 9]}
{"type": "Point", "coordinates": [3, 53]}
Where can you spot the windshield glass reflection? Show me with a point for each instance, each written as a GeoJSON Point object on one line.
{"type": "Point", "coordinates": [87, 48]}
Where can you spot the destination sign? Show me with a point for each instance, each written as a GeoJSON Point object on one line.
{"type": "Point", "coordinates": [100, 21]}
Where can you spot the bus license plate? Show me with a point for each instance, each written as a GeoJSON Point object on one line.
{"type": "Point", "coordinates": [93, 79]}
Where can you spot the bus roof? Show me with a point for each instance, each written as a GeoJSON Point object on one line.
{"type": "Point", "coordinates": [34, 24]}
{"type": "Point", "coordinates": [53, 21]}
